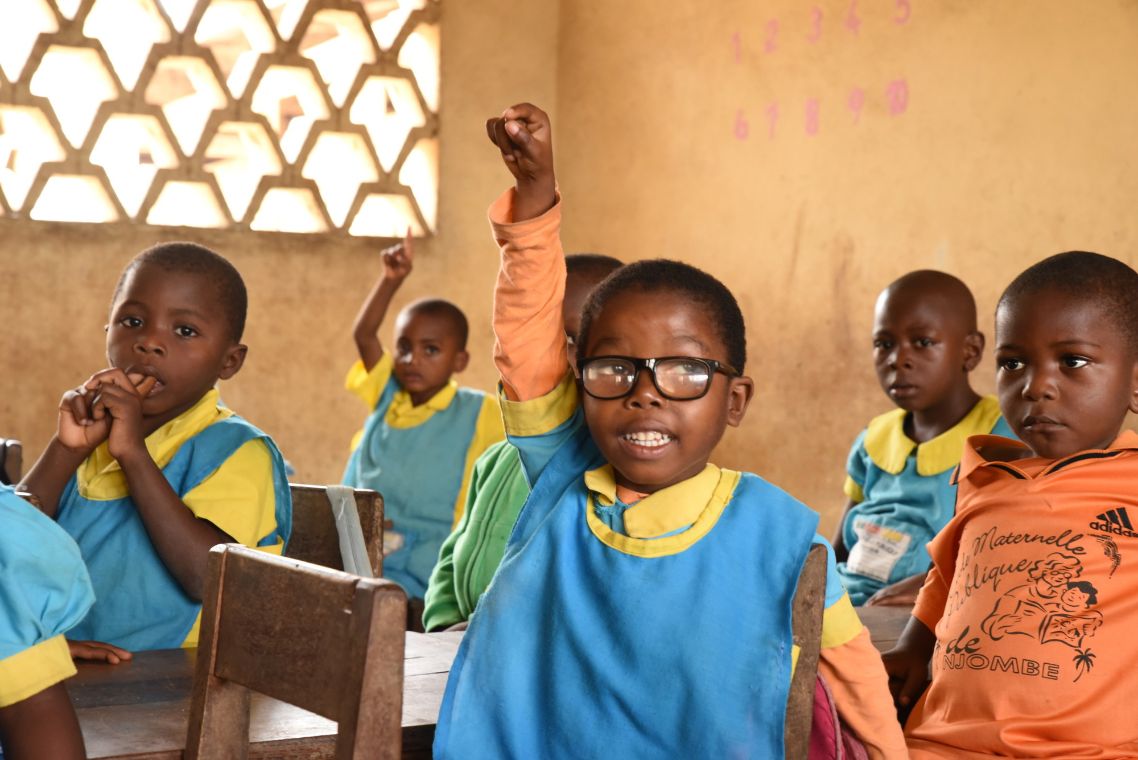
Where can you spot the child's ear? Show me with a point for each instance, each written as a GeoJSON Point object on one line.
{"type": "Point", "coordinates": [738, 398]}
{"type": "Point", "coordinates": [1134, 388]}
{"type": "Point", "coordinates": [461, 359]}
{"type": "Point", "coordinates": [973, 350]}
{"type": "Point", "coordinates": [234, 358]}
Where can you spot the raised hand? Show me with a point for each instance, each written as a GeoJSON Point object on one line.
{"type": "Point", "coordinates": [524, 137]}
{"type": "Point", "coordinates": [398, 258]}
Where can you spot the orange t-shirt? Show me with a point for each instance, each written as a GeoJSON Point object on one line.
{"type": "Point", "coordinates": [1033, 597]}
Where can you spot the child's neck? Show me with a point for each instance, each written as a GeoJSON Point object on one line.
{"type": "Point", "coordinates": [925, 424]}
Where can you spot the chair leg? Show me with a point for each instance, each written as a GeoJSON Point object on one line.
{"type": "Point", "coordinates": [223, 731]}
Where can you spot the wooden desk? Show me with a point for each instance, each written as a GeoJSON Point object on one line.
{"type": "Point", "coordinates": [885, 624]}
{"type": "Point", "coordinates": [139, 709]}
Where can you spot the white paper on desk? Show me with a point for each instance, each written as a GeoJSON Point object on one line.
{"type": "Point", "coordinates": [353, 550]}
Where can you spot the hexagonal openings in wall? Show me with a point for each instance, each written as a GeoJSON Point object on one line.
{"type": "Point", "coordinates": [215, 113]}
{"type": "Point", "coordinates": [126, 31]}
{"type": "Point", "coordinates": [19, 32]}
{"type": "Point", "coordinates": [237, 34]}
{"type": "Point", "coordinates": [27, 142]}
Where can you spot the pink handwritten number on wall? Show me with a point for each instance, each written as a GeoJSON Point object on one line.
{"type": "Point", "coordinates": [742, 126]}
{"type": "Point", "coordinates": [771, 41]}
{"type": "Point", "coordinates": [812, 111]}
{"type": "Point", "coordinates": [897, 96]}
{"type": "Point", "coordinates": [904, 11]}
{"type": "Point", "coordinates": [772, 119]}
{"type": "Point", "coordinates": [856, 102]}
{"type": "Point", "coordinates": [737, 47]}
{"type": "Point", "coordinates": [853, 21]}
{"type": "Point", "coordinates": [815, 25]}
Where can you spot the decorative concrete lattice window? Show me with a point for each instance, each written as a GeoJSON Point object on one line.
{"type": "Point", "coordinates": [282, 115]}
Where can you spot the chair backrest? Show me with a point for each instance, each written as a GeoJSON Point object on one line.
{"type": "Point", "coordinates": [809, 604]}
{"type": "Point", "coordinates": [323, 640]}
{"type": "Point", "coordinates": [11, 461]}
{"type": "Point", "coordinates": [314, 536]}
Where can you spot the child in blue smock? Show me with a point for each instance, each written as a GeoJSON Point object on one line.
{"type": "Point", "coordinates": [147, 470]}
{"type": "Point", "coordinates": [642, 608]}
{"type": "Point", "coordinates": [899, 484]}
{"type": "Point", "coordinates": [44, 591]}
{"type": "Point", "coordinates": [419, 445]}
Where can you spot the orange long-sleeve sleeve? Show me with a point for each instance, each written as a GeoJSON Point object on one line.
{"type": "Point", "coordinates": [857, 678]}
{"type": "Point", "coordinates": [529, 348]}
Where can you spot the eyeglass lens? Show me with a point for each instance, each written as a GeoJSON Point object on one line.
{"type": "Point", "coordinates": [677, 378]}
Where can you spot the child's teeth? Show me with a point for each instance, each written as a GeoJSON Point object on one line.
{"type": "Point", "coordinates": [648, 439]}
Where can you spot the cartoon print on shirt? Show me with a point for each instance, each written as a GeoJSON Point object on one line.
{"type": "Point", "coordinates": [1052, 607]}
{"type": "Point", "coordinates": [1110, 549]}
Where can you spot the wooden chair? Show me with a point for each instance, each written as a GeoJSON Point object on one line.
{"type": "Point", "coordinates": [11, 461]}
{"type": "Point", "coordinates": [809, 604]}
{"type": "Point", "coordinates": [323, 640]}
{"type": "Point", "coordinates": [314, 537]}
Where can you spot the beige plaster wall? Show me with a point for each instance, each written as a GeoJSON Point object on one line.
{"type": "Point", "coordinates": [304, 290]}
{"type": "Point", "coordinates": [1017, 142]}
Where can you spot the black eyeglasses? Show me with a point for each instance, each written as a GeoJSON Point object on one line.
{"type": "Point", "coordinates": [680, 378]}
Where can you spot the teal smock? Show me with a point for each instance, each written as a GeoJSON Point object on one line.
{"type": "Point", "coordinates": [904, 494]}
{"type": "Point", "coordinates": [140, 604]}
{"type": "Point", "coordinates": [44, 592]}
{"type": "Point", "coordinates": [580, 650]}
{"type": "Point", "coordinates": [418, 471]}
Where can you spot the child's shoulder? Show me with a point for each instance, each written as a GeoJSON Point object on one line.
{"type": "Point", "coordinates": [753, 489]}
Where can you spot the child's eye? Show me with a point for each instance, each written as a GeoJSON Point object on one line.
{"type": "Point", "coordinates": [185, 331]}
{"type": "Point", "coordinates": [1075, 362]}
{"type": "Point", "coordinates": [882, 344]}
{"type": "Point", "coordinates": [130, 322]}
{"type": "Point", "coordinates": [431, 350]}
{"type": "Point", "coordinates": [1011, 365]}
{"type": "Point", "coordinates": [923, 342]}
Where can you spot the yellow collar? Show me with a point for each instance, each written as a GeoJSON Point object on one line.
{"type": "Point", "coordinates": [404, 414]}
{"type": "Point", "coordinates": [694, 504]}
{"type": "Point", "coordinates": [889, 447]}
{"type": "Point", "coordinates": [101, 478]}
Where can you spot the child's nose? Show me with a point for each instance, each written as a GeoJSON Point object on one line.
{"type": "Point", "coordinates": [1039, 384]}
{"type": "Point", "coordinates": [644, 393]}
{"type": "Point", "coordinates": [148, 343]}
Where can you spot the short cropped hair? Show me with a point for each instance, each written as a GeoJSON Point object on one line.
{"type": "Point", "coordinates": [1104, 281]}
{"type": "Point", "coordinates": [665, 275]}
{"type": "Point", "coordinates": [591, 266]}
{"type": "Point", "coordinates": [195, 259]}
{"type": "Point", "coordinates": [448, 312]}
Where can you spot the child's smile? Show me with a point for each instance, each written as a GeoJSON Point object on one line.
{"type": "Point", "coordinates": [652, 441]}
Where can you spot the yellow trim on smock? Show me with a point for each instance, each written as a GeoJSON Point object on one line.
{"type": "Point", "coordinates": [695, 503]}
{"type": "Point", "coordinates": [543, 414]}
{"type": "Point", "coordinates": [100, 478]}
{"type": "Point", "coordinates": [889, 447]}
{"type": "Point", "coordinates": [31, 670]}
{"type": "Point", "coordinates": [853, 490]}
{"type": "Point", "coordinates": [840, 623]}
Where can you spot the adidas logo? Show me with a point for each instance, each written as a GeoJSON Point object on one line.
{"type": "Point", "coordinates": [1115, 521]}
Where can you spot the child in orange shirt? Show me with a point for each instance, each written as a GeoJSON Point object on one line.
{"type": "Point", "coordinates": [1027, 616]}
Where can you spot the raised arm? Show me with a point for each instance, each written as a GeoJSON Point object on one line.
{"type": "Point", "coordinates": [530, 347]}
{"type": "Point", "coordinates": [397, 264]}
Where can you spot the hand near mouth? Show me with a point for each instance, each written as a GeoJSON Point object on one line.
{"type": "Point", "coordinates": [106, 407]}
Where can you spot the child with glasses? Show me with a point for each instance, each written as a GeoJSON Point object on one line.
{"type": "Point", "coordinates": [1027, 617]}
{"type": "Point", "coordinates": [643, 604]}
